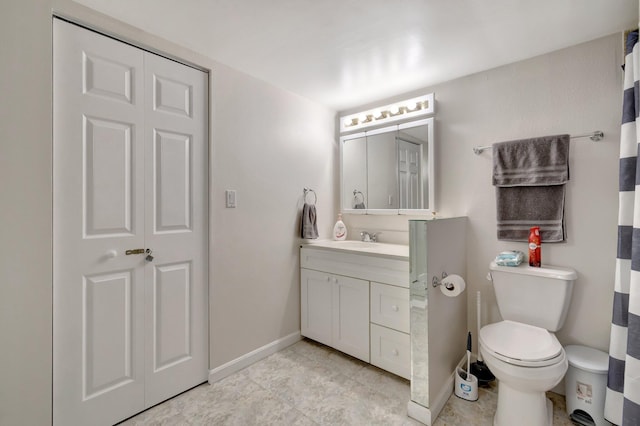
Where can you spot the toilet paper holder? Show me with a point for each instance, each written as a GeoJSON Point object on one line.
{"type": "Point", "coordinates": [435, 281]}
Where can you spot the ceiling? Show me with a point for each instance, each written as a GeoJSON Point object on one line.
{"type": "Point", "coordinates": [346, 53]}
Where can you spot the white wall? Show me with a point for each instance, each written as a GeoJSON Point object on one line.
{"type": "Point", "coordinates": [575, 90]}
{"type": "Point", "coordinates": [280, 144]}
{"type": "Point", "coordinates": [25, 213]}
{"type": "Point", "coordinates": [265, 142]}
{"type": "Point", "coordinates": [268, 145]}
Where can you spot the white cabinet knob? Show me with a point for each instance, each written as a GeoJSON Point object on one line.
{"type": "Point", "coordinates": [110, 254]}
{"type": "Point", "coordinates": [395, 308]}
{"type": "Point", "coordinates": [395, 352]}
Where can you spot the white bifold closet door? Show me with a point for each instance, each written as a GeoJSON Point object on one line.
{"type": "Point", "coordinates": [130, 175]}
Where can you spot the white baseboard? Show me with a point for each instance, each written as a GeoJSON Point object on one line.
{"type": "Point", "coordinates": [419, 413]}
{"type": "Point", "coordinates": [441, 398]}
{"type": "Point", "coordinates": [246, 360]}
{"type": "Point", "coordinates": [428, 415]}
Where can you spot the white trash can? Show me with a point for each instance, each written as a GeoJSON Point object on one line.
{"type": "Point", "coordinates": [586, 384]}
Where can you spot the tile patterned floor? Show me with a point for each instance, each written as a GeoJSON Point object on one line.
{"type": "Point", "coordinates": [311, 384]}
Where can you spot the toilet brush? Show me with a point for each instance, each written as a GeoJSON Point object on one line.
{"type": "Point", "coordinates": [466, 384]}
{"type": "Point", "coordinates": [479, 368]}
{"type": "Point", "coordinates": [468, 356]}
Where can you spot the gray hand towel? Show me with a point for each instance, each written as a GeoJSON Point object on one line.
{"type": "Point", "coordinates": [529, 176]}
{"type": "Point", "coordinates": [309, 227]}
{"type": "Point", "coordinates": [520, 208]}
{"type": "Point", "coordinates": [536, 161]}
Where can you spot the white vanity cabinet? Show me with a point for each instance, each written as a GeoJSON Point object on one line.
{"type": "Point", "coordinates": [336, 311]}
{"type": "Point", "coordinates": [357, 302]}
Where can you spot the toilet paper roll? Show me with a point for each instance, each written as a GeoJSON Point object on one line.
{"type": "Point", "coordinates": [452, 285]}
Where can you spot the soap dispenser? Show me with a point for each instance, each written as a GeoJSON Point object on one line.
{"type": "Point", "coordinates": [339, 230]}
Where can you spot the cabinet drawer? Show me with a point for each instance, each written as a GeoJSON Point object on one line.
{"type": "Point", "coordinates": [390, 306]}
{"type": "Point", "coordinates": [391, 350]}
{"type": "Point", "coordinates": [366, 267]}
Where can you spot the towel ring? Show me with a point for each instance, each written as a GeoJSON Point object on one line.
{"type": "Point", "coordinates": [355, 196]}
{"type": "Point", "coordinates": [315, 196]}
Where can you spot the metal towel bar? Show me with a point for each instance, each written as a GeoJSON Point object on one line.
{"type": "Point", "coordinates": [594, 136]}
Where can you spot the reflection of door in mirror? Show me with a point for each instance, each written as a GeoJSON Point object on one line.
{"type": "Point", "coordinates": [354, 173]}
{"type": "Point", "coordinates": [382, 171]}
{"type": "Point", "coordinates": [409, 174]}
{"type": "Point", "coordinates": [414, 174]}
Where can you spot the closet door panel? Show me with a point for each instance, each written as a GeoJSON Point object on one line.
{"type": "Point", "coordinates": [173, 159]}
{"type": "Point", "coordinates": [172, 326]}
{"type": "Point", "coordinates": [130, 172]}
{"type": "Point", "coordinates": [98, 206]}
{"type": "Point", "coordinates": [176, 113]}
{"type": "Point", "coordinates": [107, 337]}
{"type": "Point", "coordinates": [108, 167]}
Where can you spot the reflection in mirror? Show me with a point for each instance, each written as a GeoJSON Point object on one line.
{"type": "Point", "coordinates": [412, 167]}
{"type": "Point", "coordinates": [419, 332]}
{"type": "Point", "coordinates": [358, 200]}
{"type": "Point", "coordinates": [354, 190]}
{"type": "Point", "coordinates": [382, 171]}
{"type": "Point", "coordinates": [389, 168]}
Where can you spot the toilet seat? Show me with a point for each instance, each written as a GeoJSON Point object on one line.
{"type": "Point", "coordinates": [521, 344]}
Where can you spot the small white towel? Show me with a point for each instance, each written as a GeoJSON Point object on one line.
{"type": "Point", "coordinates": [309, 227]}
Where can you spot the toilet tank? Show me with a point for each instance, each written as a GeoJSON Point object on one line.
{"type": "Point", "coordinates": [535, 296]}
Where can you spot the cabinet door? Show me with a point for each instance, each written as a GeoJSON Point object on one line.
{"type": "Point", "coordinates": [315, 305]}
{"type": "Point", "coordinates": [351, 316]}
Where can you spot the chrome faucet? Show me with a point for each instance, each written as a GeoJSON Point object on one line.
{"type": "Point", "coordinates": [369, 236]}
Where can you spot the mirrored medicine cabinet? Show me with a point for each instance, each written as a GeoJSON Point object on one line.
{"type": "Point", "coordinates": [389, 170]}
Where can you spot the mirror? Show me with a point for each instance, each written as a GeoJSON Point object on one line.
{"type": "Point", "coordinates": [382, 182]}
{"type": "Point", "coordinates": [388, 170]}
{"type": "Point", "coordinates": [354, 176]}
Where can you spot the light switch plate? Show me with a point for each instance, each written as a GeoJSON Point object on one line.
{"type": "Point", "coordinates": [230, 195]}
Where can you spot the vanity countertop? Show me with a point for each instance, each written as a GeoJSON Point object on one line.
{"type": "Point", "coordinates": [395, 251]}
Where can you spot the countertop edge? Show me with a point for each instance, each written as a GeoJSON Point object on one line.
{"type": "Point", "coordinates": [384, 250]}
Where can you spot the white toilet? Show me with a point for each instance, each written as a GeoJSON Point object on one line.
{"type": "Point", "coordinates": [522, 351]}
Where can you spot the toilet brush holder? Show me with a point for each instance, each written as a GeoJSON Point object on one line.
{"type": "Point", "coordinates": [466, 389]}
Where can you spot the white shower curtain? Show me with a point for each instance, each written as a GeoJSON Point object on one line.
{"type": "Point", "coordinates": [622, 404]}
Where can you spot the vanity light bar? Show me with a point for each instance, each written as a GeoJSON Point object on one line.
{"type": "Point", "coordinates": [414, 107]}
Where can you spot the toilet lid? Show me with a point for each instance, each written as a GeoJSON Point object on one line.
{"type": "Point", "coordinates": [521, 344]}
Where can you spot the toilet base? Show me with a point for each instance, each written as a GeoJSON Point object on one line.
{"type": "Point", "coordinates": [522, 408]}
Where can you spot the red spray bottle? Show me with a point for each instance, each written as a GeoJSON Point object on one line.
{"type": "Point", "coordinates": [534, 247]}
